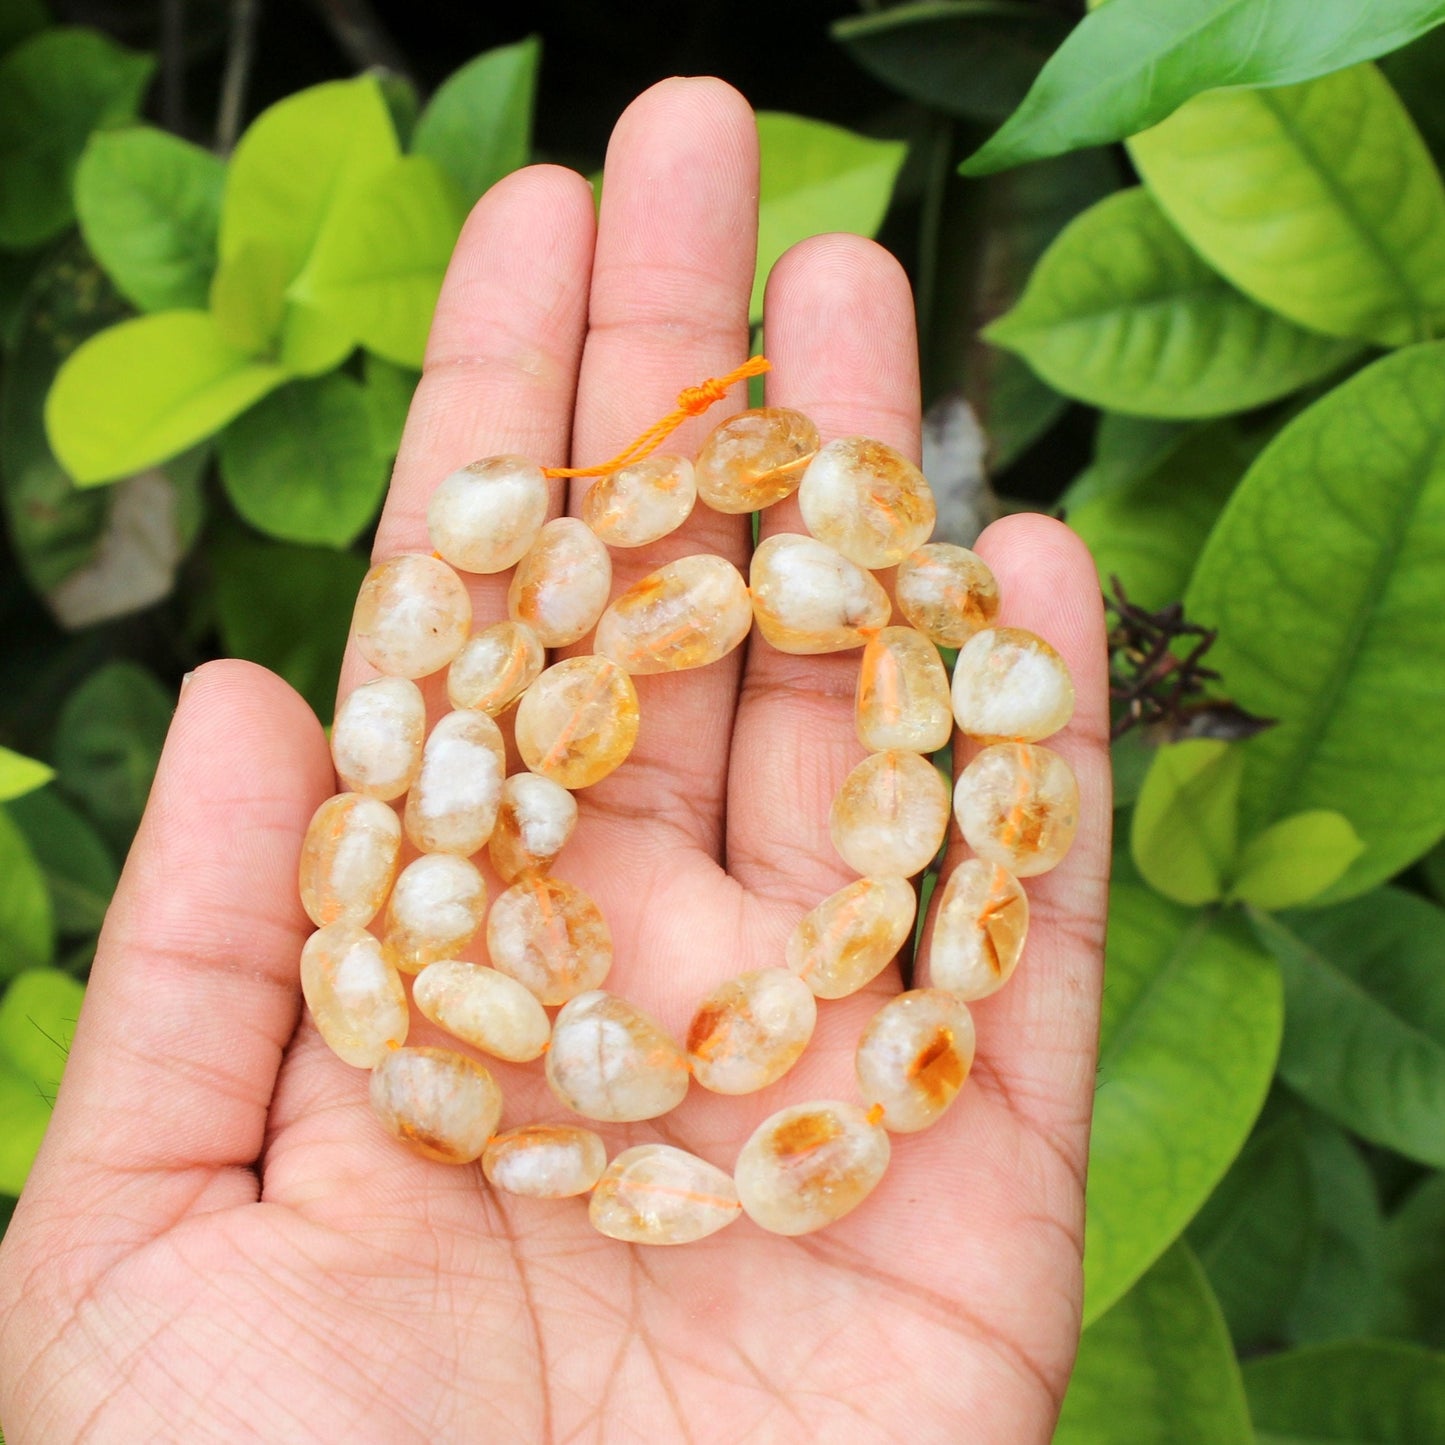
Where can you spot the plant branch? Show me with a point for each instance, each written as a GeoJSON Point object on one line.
{"type": "Point", "coordinates": [240, 51]}
{"type": "Point", "coordinates": [361, 36]}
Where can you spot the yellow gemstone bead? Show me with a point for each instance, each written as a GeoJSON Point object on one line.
{"type": "Point", "coordinates": [610, 1061]}
{"type": "Point", "coordinates": [545, 1161]}
{"type": "Point", "coordinates": [550, 937]}
{"type": "Point", "coordinates": [436, 907]}
{"type": "Point", "coordinates": [495, 668]}
{"type": "Point", "coordinates": [748, 1032]}
{"type": "Point", "coordinates": [656, 1194]}
{"type": "Point", "coordinates": [902, 698]}
{"type": "Point", "coordinates": [641, 503]}
{"type": "Point", "coordinates": [946, 592]}
{"type": "Point", "coordinates": [686, 614]}
{"type": "Point", "coordinates": [560, 587]}
{"type": "Point", "coordinates": [348, 860]}
{"type": "Point", "coordinates": [979, 930]}
{"type": "Point", "coordinates": [355, 996]}
{"type": "Point", "coordinates": [866, 500]}
{"type": "Point", "coordinates": [578, 721]}
{"type": "Point", "coordinates": [485, 516]}
{"type": "Point", "coordinates": [754, 459]}
{"type": "Point", "coordinates": [852, 936]}
{"type": "Point", "coordinates": [890, 816]}
{"type": "Point", "coordinates": [1018, 806]}
{"type": "Point", "coordinates": [376, 740]}
{"type": "Point", "coordinates": [913, 1057]}
{"type": "Point", "coordinates": [483, 1008]}
{"type": "Point", "coordinates": [808, 598]}
{"type": "Point", "coordinates": [441, 1104]}
{"type": "Point", "coordinates": [412, 616]}
{"type": "Point", "coordinates": [534, 822]}
{"type": "Point", "coordinates": [1010, 684]}
{"type": "Point", "coordinates": [809, 1165]}
{"type": "Point", "coordinates": [452, 806]}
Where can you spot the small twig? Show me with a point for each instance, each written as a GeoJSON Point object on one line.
{"type": "Point", "coordinates": [240, 50]}
{"type": "Point", "coordinates": [173, 65]}
{"type": "Point", "coordinates": [362, 37]}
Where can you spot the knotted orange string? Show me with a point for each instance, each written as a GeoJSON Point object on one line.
{"type": "Point", "coordinates": [692, 401]}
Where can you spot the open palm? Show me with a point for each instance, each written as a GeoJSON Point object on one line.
{"type": "Point", "coordinates": [219, 1242]}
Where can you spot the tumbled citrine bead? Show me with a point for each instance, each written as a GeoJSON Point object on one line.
{"type": "Point", "coordinates": [852, 936]}
{"type": "Point", "coordinates": [412, 616]}
{"type": "Point", "coordinates": [436, 906]}
{"type": "Point", "coordinates": [1018, 806]}
{"type": "Point", "coordinates": [442, 1104]}
{"type": "Point", "coordinates": [809, 598]}
{"type": "Point", "coordinates": [495, 668]}
{"type": "Point", "coordinates": [913, 1057]}
{"type": "Point", "coordinates": [754, 459]}
{"type": "Point", "coordinates": [534, 822]}
{"type": "Point", "coordinates": [749, 1031]}
{"type": "Point", "coordinates": [560, 587]}
{"type": "Point", "coordinates": [376, 740]}
{"type": "Point", "coordinates": [544, 1161]}
{"type": "Point", "coordinates": [641, 503]}
{"type": "Point", "coordinates": [902, 699]}
{"type": "Point", "coordinates": [550, 937]}
{"type": "Point", "coordinates": [610, 1061]}
{"type": "Point", "coordinates": [810, 1164]}
{"type": "Point", "coordinates": [452, 806]}
{"type": "Point", "coordinates": [890, 816]}
{"type": "Point", "coordinates": [355, 996]}
{"type": "Point", "coordinates": [483, 1008]}
{"type": "Point", "coordinates": [485, 516]}
{"type": "Point", "coordinates": [1009, 683]}
{"type": "Point", "coordinates": [687, 614]}
{"type": "Point", "coordinates": [578, 721]}
{"type": "Point", "coordinates": [946, 592]}
{"type": "Point", "coordinates": [657, 1194]}
{"type": "Point", "coordinates": [866, 500]}
{"type": "Point", "coordinates": [978, 931]}
{"type": "Point", "coordinates": [348, 859]}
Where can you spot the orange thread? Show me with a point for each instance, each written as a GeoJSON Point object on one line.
{"type": "Point", "coordinates": [691, 401]}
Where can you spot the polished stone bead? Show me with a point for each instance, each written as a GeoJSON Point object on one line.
{"type": "Point", "coordinates": [376, 740]}
{"type": "Point", "coordinates": [610, 1061]}
{"type": "Point", "coordinates": [550, 937]}
{"type": "Point", "coordinates": [641, 503]}
{"type": "Point", "coordinates": [560, 587]}
{"type": "Point", "coordinates": [578, 721]}
{"type": "Point", "coordinates": [902, 698]}
{"type": "Point", "coordinates": [687, 614]}
{"type": "Point", "coordinates": [852, 936]}
{"type": "Point", "coordinates": [436, 907]}
{"type": "Point", "coordinates": [1018, 806]}
{"type": "Point", "coordinates": [866, 500]}
{"type": "Point", "coordinates": [534, 822]}
{"type": "Point", "coordinates": [495, 668]}
{"type": "Point", "coordinates": [441, 1104]}
{"type": "Point", "coordinates": [355, 996]}
{"type": "Point", "coordinates": [485, 516]}
{"type": "Point", "coordinates": [754, 459]}
{"type": "Point", "coordinates": [978, 931]}
{"type": "Point", "coordinates": [1010, 684]}
{"type": "Point", "coordinates": [452, 806]}
{"type": "Point", "coordinates": [947, 592]}
{"type": "Point", "coordinates": [890, 816]}
{"type": "Point", "coordinates": [913, 1057]}
{"type": "Point", "coordinates": [483, 1008]}
{"type": "Point", "coordinates": [808, 598]}
{"type": "Point", "coordinates": [657, 1194]}
{"type": "Point", "coordinates": [412, 616]}
{"type": "Point", "coordinates": [348, 860]}
{"type": "Point", "coordinates": [809, 1165]}
{"type": "Point", "coordinates": [748, 1032]}
{"type": "Point", "coordinates": [544, 1161]}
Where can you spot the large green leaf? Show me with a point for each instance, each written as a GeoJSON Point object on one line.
{"type": "Point", "coordinates": [1415, 73]}
{"type": "Point", "coordinates": [20, 775]}
{"type": "Point", "coordinates": [1190, 1034]}
{"type": "Point", "coordinates": [1415, 1261]}
{"type": "Point", "coordinates": [55, 88]}
{"type": "Point", "coordinates": [1323, 577]}
{"type": "Point", "coordinates": [26, 1112]}
{"type": "Point", "coordinates": [1318, 200]}
{"type": "Point", "coordinates": [37, 1022]}
{"type": "Point", "coordinates": [1132, 62]}
{"type": "Point", "coordinates": [1185, 833]}
{"type": "Point", "coordinates": [1158, 1369]}
{"type": "Point", "coordinates": [1295, 859]}
{"type": "Point", "coordinates": [27, 922]}
{"type": "Point", "coordinates": [1121, 312]}
{"type": "Point", "coordinates": [149, 206]}
{"type": "Point", "coordinates": [80, 872]}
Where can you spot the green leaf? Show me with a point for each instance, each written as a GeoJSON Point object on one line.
{"type": "Point", "coordinates": [1415, 1260]}
{"type": "Point", "coordinates": [1358, 1390]}
{"type": "Point", "coordinates": [27, 922]}
{"type": "Point", "coordinates": [26, 1112]}
{"type": "Point", "coordinates": [1133, 62]}
{"type": "Point", "coordinates": [1323, 577]}
{"type": "Point", "coordinates": [37, 1023]}
{"type": "Point", "coordinates": [1318, 200]}
{"type": "Point", "coordinates": [388, 391]}
{"type": "Point", "coordinates": [301, 465]}
{"type": "Point", "coordinates": [313, 342]}
{"type": "Point", "coordinates": [478, 125]}
{"type": "Point", "coordinates": [817, 177]}
{"type": "Point", "coordinates": [1121, 313]}
{"type": "Point", "coordinates": [20, 775]}
{"type": "Point", "coordinates": [144, 390]}
{"type": "Point", "coordinates": [1295, 859]}
{"type": "Point", "coordinates": [1190, 1033]}
{"type": "Point", "coordinates": [19, 20]}
{"type": "Point", "coordinates": [1127, 449]}
{"type": "Point", "coordinates": [55, 88]}
{"type": "Point", "coordinates": [149, 206]}
{"type": "Point", "coordinates": [247, 296]}
{"type": "Point", "coordinates": [1158, 1369]}
{"type": "Point", "coordinates": [1414, 72]}
{"type": "Point", "coordinates": [378, 266]}
{"type": "Point", "coordinates": [79, 871]}
{"type": "Point", "coordinates": [1185, 832]}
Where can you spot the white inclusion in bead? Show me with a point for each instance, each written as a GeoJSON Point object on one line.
{"type": "Point", "coordinates": [485, 516]}
{"type": "Point", "coordinates": [610, 1061]}
{"type": "Point", "coordinates": [412, 616]}
{"type": "Point", "coordinates": [483, 1008]}
{"type": "Point", "coordinates": [441, 1104]}
{"type": "Point", "coordinates": [641, 503]}
{"type": "Point", "coordinates": [544, 1161]}
{"type": "Point", "coordinates": [348, 859]}
{"type": "Point", "coordinates": [913, 1057]}
{"type": "Point", "coordinates": [534, 822]}
{"type": "Point", "coordinates": [1009, 683]}
{"type": "Point", "coordinates": [809, 598]}
{"type": "Point", "coordinates": [436, 907]}
{"type": "Point", "coordinates": [376, 741]}
{"type": "Point", "coordinates": [495, 668]}
{"type": "Point", "coordinates": [355, 996]}
{"type": "Point", "coordinates": [560, 587]}
{"type": "Point", "coordinates": [452, 806]}
{"type": "Point", "coordinates": [657, 1194]}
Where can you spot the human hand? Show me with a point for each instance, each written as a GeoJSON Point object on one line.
{"type": "Point", "coordinates": [218, 1241]}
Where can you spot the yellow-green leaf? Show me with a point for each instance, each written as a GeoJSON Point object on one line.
{"type": "Point", "coordinates": [1295, 859]}
{"type": "Point", "coordinates": [1185, 828]}
{"type": "Point", "coordinates": [19, 774]}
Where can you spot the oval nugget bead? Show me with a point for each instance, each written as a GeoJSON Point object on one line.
{"type": "Point", "coordinates": [544, 1161]}
{"type": "Point", "coordinates": [495, 668]}
{"type": "Point", "coordinates": [750, 1030]}
{"type": "Point", "coordinates": [890, 815]}
{"type": "Point", "coordinates": [436, 907]}
{"type": "Point", "coordinates": [852, 936]}
{"type": "Point", "coordinates": [641, 503]}
{"type": "Point", "coordinates": [913, 1057]}
{"type": "Point", "coordinates": [656, 1194]}
{"type": "Point", "coordinates": [483, 1008]}
{"type": "Point", "coordinates": [867, 500]}
{"type": "Point", "coordinates": [485, 516]}
{"type": "Point", "coordinates": [355, 996]}
{"type": "Point", "coordinates": [810, 1164]}
{"type": "Point", "coordinates": [754, 459]}
{"type": "Point", "coordinates": [902, 697]}
{"type": "Point", "coordinates": [412, 616]}
{"type": "Point", "coordinates": [686, 614]}
{"type": "Point", "coordinates": [946, 592]}
{"type": "Point", "coordinates": [1018, 806]}
{"type": "Point", "coordinates": [348, 859]}
{"type": "Point", "coordinates": [534, 822]}
{"type": "Point", "coordinates": [452, 806]}
{"type": "Point", "coordinates": [578, 721]}
{"type": "Point", "coordinates": [560, 587]}
{"type": "Point", "coordinates": [376, 740]}
{"type": "Point", "coordinates": [978, 931]}
{"type": "Point", "coordinates": [550, 937]}
{"type": "Point", "coordinates": [441, 1104]}
{"type": "Point", "coordinates": [808, 598]}
{"type": "Point", "coordinates": [610, 1061]}
{"type": "Point", "coordinates": [1010, 684]}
